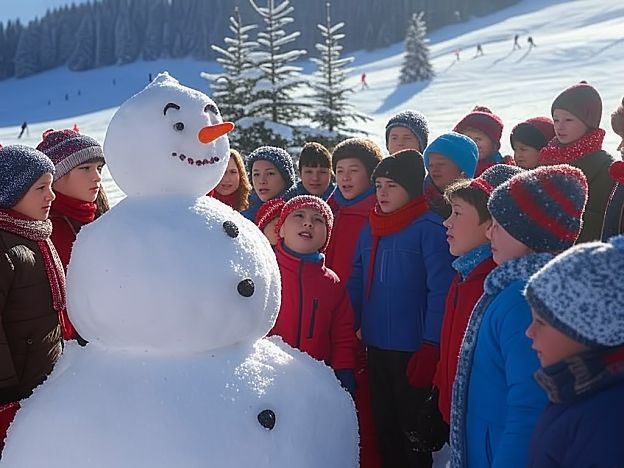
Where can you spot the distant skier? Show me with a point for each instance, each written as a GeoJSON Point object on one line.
{"type": "Point", "coordinates": [456, 52]}
{"type": "Point", "coordinates": [149, 77]}
{"type": "Point", "coordinates": [76, 128]}
{"type": "Point", "coordinates": [530, 41]}
{"type": "Point", "coordinates": [363, 81]}
{"type": "Point", "coordinates": [516, 45]}
{"type": "Point", "coordinates": [479, 50]}
{"type": "Point", "coordinates": [24, 128]}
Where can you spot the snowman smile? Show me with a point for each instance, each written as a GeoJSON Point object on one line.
{"type": "Point", "coordinates": [195, 162]}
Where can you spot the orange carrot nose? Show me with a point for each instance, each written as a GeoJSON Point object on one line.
{"type": "Point", "coordinates": [212, 132]}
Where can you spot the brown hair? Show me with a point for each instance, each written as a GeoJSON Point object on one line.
{"type": "Point", "coordinates": [244, 186]}
{"type": "Point", "coordinates": [617, 120]}
{"type": "Point", "coordinates": [314, 155]}
{"type": "Point", "coordinates": [474, 196]}
{"type": "Point", "coordinates": [367, 151]}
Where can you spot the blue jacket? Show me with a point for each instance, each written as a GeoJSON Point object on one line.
{"type": "Point", "coordinates": [496, 400]}
{"type": "Point", "coordinates": [412, 276]}
{"type": "Point", "coordinates": [301, 190]}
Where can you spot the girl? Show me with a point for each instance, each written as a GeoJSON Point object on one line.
{"type": "Point", "coordinates": [234, 188]}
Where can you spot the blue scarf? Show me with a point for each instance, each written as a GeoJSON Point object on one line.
{"type": "Point", "coordinates": [311, 257]}
{"type": "Point", "coordinates": [469, 261]}
{"type": "Point", "coordinates": [343, 202]}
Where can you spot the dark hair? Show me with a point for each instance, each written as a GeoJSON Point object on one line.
{"type": "Point", "coordinates": [617, 120]}
{"type": "Point", "coordinates": [474, 196]}
{"type": "Point", "coordinates": [314, 155]}
{"type": "Point", "coordinates": [367, 151]}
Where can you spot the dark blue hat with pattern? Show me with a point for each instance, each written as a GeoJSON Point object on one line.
{"type": "Point", "coordinates": [415, 122]}
{"type": "Point", "coordinates": [278, 157]}
{"type": "Point", "coordinates": [20, 167]}
{"type": "Point", "coordinates": [542, 208]}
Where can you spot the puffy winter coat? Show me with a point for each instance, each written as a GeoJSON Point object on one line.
{"type": "Point", "coordinates": [315, 315]}
{"type": "Point", "coordinates": [613, 224]}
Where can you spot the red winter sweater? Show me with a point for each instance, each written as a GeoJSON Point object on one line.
{"type": "Point", "coordinates": [315, 315]}
{"type": "Point", "coordinates": [461, 299]}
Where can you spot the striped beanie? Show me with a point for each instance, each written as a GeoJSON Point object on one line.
{"type": "Point", "coordinates": [269, 211]}
{"type": "Point", "coordinates": [581, 294]}
{"type": "Point", "coordinates": [308, 201]}
{"type": "Point", "coordinates": [68, 149]}
{"type": "Point", "coordinates": [278, 157]}
{"type": "Point", "coordinates": [494, 176]}
{"type": "Point", "coordinates": [543, 207]}
{"type": "Point", "coordinates": [20, 167]}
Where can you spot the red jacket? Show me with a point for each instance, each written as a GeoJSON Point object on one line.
{"type": "Point", "coordinates": [348, 222]}
{"type": "Point", "coordinates": [315, 315]}
{"type": "Point", "coordinates": [461, 299]}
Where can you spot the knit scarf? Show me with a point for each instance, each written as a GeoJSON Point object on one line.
{"type": "Point", "coordinates": [343, 202]}
{"type": "Point", "coordinates": [39, 232]}
{"type": "Point", "coordinates": [386, 224]}
{"type": "Point", "coordinates": [555, 153]}
{"type": "Point", "coordinates": [582, 374]}
{"type": "Point", "coordinates": [231, 200]}
{"type": "Point", "coordinates": [73, 208]}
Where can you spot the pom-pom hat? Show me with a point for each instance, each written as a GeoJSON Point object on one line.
{"type": "Point", "coordinates": [20, 167]}
{"type": "Point", "coordinates": [484, 120]}
{"type": "Point", "coordinates": [68, 149]}
{"type": "Point", "coordinates": [308, 201]}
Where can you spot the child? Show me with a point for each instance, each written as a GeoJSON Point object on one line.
{"type": "Point", "coordinates": [32, 281]}
{"type": "Point", "coordinates": [272, 176]}
{"type": "Point", "coordinates": [449, 157]}
{"type": "Point", "coordinates": [353, 161]}
{"type": "Point", "coordinates": [576, 113]}
{"type": "Point", "coordinates": [577, 301]}
{"type": "Point", "coordinates": [614, 216]}
{"type": "Point", "coordinates": [315, 314]}
{"type": "Point", "coordinates": [234, 188]}
{"type": "Point", "coordinates": [401, 274]}
{"type": "Point", "coordinates": [528, 138]}
{"type": "Point", "coordinates": [485, 129]}
{"type": "Point", "coordinates": [315, 170]}
{"type": "Point", "coordinates": [407, 130]}
{"type": "Point", "coordinates": [466, 229]}
{"type": "Point", "coordinates": [496, 401]}
{"type": "Point", "coordinates": [267, 218]}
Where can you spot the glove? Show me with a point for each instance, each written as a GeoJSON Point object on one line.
{"type": "Point", "coordinates": [431, 431]}
{"type": "Point", "coordinates": [422, 365]}
{"type": "Point", "coordinates": [347, 379]}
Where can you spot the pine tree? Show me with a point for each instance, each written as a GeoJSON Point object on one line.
{"type": "Point", "coordinates": [83, 56]}
{"type": "Point", "coordinates": [416, 65]}
{"type": "Point", "coordinates": [280, 79]}
{"type": "Point", "coordinates": [234, 89]}
{"type": "Point", "coordinates": [152, 46]}
{"type": "Point", "coordinates": [27, 54]}
{"type": "Point", "coordinates": [332, 108]}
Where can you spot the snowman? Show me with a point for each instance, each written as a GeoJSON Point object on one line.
{"type": "Point", "coordinates": [175, 293]}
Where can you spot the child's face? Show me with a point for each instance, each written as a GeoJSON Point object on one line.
{"type": "Point", "coordinates": [568, 127]}
{"type": "Point", "coordinates": [525, 156]}
{"type": "Point", "coordinates": [82, 182]}
{"type": "Point", "coordinates": [230, 180]}
{"type": "Point", "coordinates": [464, 231]}
{"type": "Point", "coordinates": [266, 180]}
{"type": "Point", "coordinates": [390, 195]}
{"type": "Point", "coordinates": [486, 146]}
{"type": "Point", "coordinates": [37, 201]}
{"type": "Point", "coordinates": [401, 138]}
{"type": "Point", "coordinates": [315, 179]}
{"type": "Point", "coordinates": [269, 231]}
{"type": "Point", "coordinates": [504, 246]}
{"type": "Point", "coordinates": [351, 177]}
{"type": "Point", "coordinates": [304, 231]}
{"type": "Point", "coordinates": [442, 170]}
{"type": "Point", "coordinates": [550, 344]}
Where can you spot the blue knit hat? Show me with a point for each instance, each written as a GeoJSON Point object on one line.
{"type": "Point", "coordinates": [542, 208]}
{"type": "Point", "coordinates": [458, 148]}
{"type": "Point", "coordinates": [415, 122]}
{"type": "Point", "coordinates": [580, 293]}
{"type": "Point", "coordinates": [280, 159]}
{"type": "Point", "coordinates": [20, 167]}
{"type": "Point", "coordinates": [494, 176]}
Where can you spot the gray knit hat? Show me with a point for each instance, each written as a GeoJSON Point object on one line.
{"type": "Point", "coordinates": [68, 149]}
{"type": "Point", "coordinates": [278, 157]}
{"type": "Point", "coordinates": [415, 122]}
{"type": "Point", "coordinates": [581, 293]}
{"type": "Point", "coordinates": [20, 167]}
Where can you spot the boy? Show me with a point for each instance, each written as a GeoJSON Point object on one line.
{"type": "Point", "coordinates": [466, 229]}
{"type": "Point", "coordinates": [407, 130]}
{"type": "Point", "coordinates": [577, 301]}
{"type": "Point", "coordinates": [267, 218]}
{"type": "Point", "coordinates": [315, 314]}
{"type": "Point", "coordinates": [613, 223]}
{"type": "Point", "coordinates": [496, 401]}
{"type": "Point", "coordinates": [449, 157]}
{"type": "Point", "coordinates": [485, 129]}
{"type": "Point", "coordinates": [401, 274]}
{"type": "Point", "coordinates": [315, 170]}
{"type": "Point", "coordinates": [528, 138]}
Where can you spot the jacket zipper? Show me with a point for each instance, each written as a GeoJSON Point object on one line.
{"type": "Point", "coordinates": [300, 322]}
{"type": "Point", "coordinates": [315, 302]}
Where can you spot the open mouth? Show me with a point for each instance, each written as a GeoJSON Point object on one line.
{"type": "Point", "coordinates": [305, 234]}
{"type": "Point", "coordinates": [195, 162]}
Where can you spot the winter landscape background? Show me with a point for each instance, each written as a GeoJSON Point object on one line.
{"type": "Point", "coordinates": [576, 40]}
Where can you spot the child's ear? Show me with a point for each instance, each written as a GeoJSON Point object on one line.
{"type": "Point", "coordinates": [280, 234]}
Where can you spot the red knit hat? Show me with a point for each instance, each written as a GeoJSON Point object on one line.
{"type": "Point", "coordinates": [308, 201]}
{"type": "Point", "coordinates": [269, 211]}
{"type": "Point", "coordinates": [582, 100]}
{"type": "Point", "coordinates": [481, 118]}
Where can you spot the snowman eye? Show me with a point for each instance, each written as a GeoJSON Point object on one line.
{"type": "Point", "coordinates": [179, 126]}
{"type": "Point", "coordinates": [212, 108]}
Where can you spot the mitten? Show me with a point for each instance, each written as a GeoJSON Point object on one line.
{"type": "Point", "coordinates": [422, 365]}
{"type": "Point", "coordinates": [347, 379]}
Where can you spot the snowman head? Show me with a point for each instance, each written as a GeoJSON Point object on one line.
{"type": "Point", "coordinates": [167, 139]}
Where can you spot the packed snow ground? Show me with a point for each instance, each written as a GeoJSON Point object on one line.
{"type": "Point", "coordinates": [576, 40]}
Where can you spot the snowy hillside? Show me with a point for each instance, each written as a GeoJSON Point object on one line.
{"type": "Point", "coordinates": [576, 40]}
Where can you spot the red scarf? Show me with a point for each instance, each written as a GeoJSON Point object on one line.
{"type": "Point", "coordinates": [554, 153]}
{"type": "Point", "coordinates": [386, 224]}
{"type": "Point", "coordinates": [230, 200]}
{"type": "Point", "coordinates": [73, 208]}
{"type": "Point", "coordinates": [39, 232]}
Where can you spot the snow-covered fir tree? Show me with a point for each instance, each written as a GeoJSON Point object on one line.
{"type": "Point", "coordinates": [280, 78]}
{"type": "Point", "coordinates": [416, 65]}
{"type": "Point", "coordinates": [234, 89]}
{"type": "Point", "coordinates": [332, 108]}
